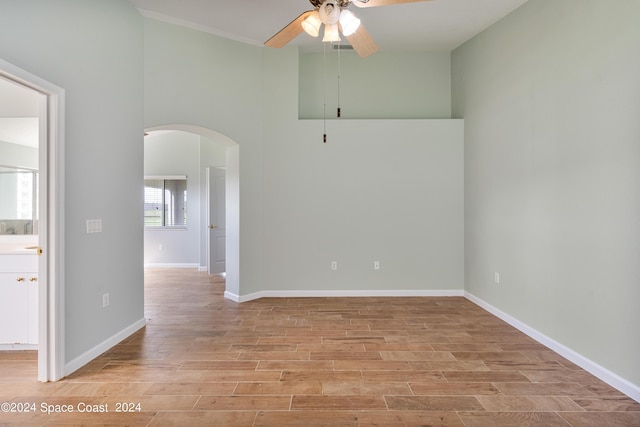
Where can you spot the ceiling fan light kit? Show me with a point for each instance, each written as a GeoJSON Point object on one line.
{"type": "Point", "coordinates": [331, 33]}
{"type": "Point", "coordinates": [312, 24]}
{"type": "Point", "coordinates": [336, 18]}
{"type": "Point", "coordinates": [349, 22]}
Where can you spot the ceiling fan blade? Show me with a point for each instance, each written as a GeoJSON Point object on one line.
{"type": "Point", "coordinates": [288, 33]}
{"type": "Point", "coordinates": [375, 3]}
{"type": "Point", "coordinates": [362, 42]}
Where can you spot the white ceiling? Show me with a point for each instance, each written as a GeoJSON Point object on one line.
{"type": "Point", "coordinates": [437, 25]}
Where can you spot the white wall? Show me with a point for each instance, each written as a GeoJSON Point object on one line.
{"type": "Point", "coordinates": [551, 100]}
{"type": "Point", "coordinates": [94, 51]}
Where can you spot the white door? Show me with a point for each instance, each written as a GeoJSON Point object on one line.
{"type": "Point", "coordinates": [216, 215]}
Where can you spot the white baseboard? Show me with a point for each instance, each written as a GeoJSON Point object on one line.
{"type": "Point", "coordinates": [614, 380]}
{"type": "Point", "coordinates": [171, 265]}
{"type": "Point", "coordinates": [201, 268]}
{"type": "Point", "coordinates": [233, 297]}
{"type": "Point", "coordinates": [348, 293]}
{"type": "Point", "coordinates": [96, 351]}
{"type": "Point", "coordinates": [16, 347]}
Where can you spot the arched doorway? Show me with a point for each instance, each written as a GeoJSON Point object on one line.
{"type": "Point", "coordinates": [231, 190]}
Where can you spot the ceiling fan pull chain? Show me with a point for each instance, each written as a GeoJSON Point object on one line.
{"type": "Point", "coordinates": [339, 69]}
{"type": "Point", "coordinates": [324, 100]}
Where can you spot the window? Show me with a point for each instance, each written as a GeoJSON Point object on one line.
{"type": "Point", "coordinates": [27, 191]}
{"type": "Point", "coordinates": [19, 206]}
{"type": "Point", "coordinates": [165, 202]}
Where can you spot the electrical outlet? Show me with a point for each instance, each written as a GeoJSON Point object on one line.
{"type": "Point", "coordinates": [496, 277]}
{"type": "Point", "coordinates": [105, 300]}
{"type": "Point", "coordinates": [334, 265]}
{"type": "Point", "coordinates": [376, 265]}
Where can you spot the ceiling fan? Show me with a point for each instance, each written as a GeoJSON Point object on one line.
{"type": "Point", "coordinates": [336, 18]}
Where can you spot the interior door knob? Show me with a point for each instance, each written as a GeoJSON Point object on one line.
{"type": "Point", "coordinates": [211, 226]}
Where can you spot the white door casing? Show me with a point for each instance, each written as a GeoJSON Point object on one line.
{"type": "Point", "coordinates": [51, 225]}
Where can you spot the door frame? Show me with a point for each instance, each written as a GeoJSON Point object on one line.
{"type": "Point", "coordinates": [51, 228]}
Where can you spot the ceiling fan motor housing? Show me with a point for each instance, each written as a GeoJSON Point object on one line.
{"type": "Point", "coordinates": [339, 3]}
{"type": "Point", "coordinates": [329, 12]}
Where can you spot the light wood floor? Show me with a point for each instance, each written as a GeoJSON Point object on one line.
{"type": "Point", "coordinates": [316, 361]}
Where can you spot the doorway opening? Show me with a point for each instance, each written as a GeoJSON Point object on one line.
{"type": "Point", "coordinates": [33, 240]}
{"type": "Point", "coordinates": [208, 236]}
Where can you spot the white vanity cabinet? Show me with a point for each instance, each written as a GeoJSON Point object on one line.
{"type": "Point", "coordinates": [18, 301]}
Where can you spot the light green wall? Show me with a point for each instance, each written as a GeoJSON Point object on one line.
{"type": "Point", "coordinates": [93, 50]}
{"type": "Point", "coordinates": [385, 190]}
{"type": "Point", "coordinates": [378, 190]}
{"type": "Point", "coordinates": [388, 191]}
{"type": "Point", "coordinates": [196, 78]}
{"type": "Point", "coordinates": [550, 96]}
{"type": "Point", "coordinates": [387, 85]}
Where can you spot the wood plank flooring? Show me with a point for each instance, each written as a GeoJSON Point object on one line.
{"type": "Point", "coordinates": [204, 360]}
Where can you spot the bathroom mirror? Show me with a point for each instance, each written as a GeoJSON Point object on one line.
{"type": "Point", "coordinates": [18, 201]}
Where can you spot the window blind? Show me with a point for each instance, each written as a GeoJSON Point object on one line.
{"type": "Point", "coordinates": [165, 202]}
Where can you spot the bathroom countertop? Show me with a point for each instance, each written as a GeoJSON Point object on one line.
{"type": "Point", "coordinates": [18, 247]}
